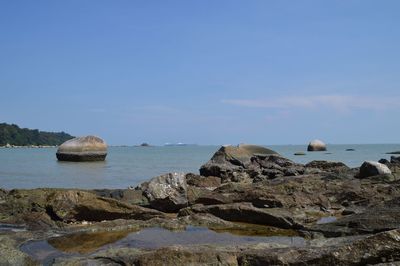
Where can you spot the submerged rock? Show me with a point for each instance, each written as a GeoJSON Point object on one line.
{"type": "Point", "coordinates": [88, 148]}
{"type": "Point", "coordinates": [167, 192]}
{"type": "Point", "coordinates": [316, 145]}
{"type": "Point", "coordinates": [371, 168]}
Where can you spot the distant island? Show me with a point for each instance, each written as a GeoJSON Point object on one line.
{"type": "Point", "coordinates": [16, 136]}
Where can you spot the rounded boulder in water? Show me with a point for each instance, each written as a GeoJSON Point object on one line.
{"type": "Point", "coordinates": [82, 149]}
{"type": "Point", "coordinates": [316, 145]}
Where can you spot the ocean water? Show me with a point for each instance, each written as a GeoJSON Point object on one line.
{"type": "Point", "coordinates": [129, 166]}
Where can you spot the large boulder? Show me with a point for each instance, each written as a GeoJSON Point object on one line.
{"type": "Point", "coordinates": [166, 192]}
{"type": "Point", "coordinates": [231, 163]}
{"type": "Point", "coordinates": [371, 168]}
{"type": "Point", "coordinates": [88, 148]}
{"type": "Point", "coordinates": [316, 145]}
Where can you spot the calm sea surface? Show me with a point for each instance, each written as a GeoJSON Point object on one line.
{"type": "Point", "coordinates": [129, 166]}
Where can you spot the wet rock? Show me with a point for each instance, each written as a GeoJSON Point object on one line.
{"type": "Point", "coordinates": [245, 212]}
{"type": "Point", "coordinates": [370, 221]}
{"type": "Point", "coordinates": [167, 192]}
{"type": "Point", "coordinates": [88, 148]}
{"type": "Point", "coordinates": [11, 255]}
{"type": "Point", "coordinates": [41, 207]}
{"type": "Point", "coordinates": [383, 247]}
{"type": "Point", "coordinates": [316, 145]}
{"type": "Point", "coordinates": [84, 206]}
{"type": "Point", "coordinates": [371, 168]}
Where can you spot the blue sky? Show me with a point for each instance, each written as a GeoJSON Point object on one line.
{"type": "Point", "coordinates": [206, 72]}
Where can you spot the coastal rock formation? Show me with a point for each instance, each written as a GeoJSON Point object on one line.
{"type": "Point", "coordinates": [248, 163]}
{"type": "Point", "coordinates": [166, 192]}
{"type": "Point", "coordinates": [326, 215]}
{"type": "Point", "coordinates": [88, 148]}
{"type": "Point", "coordinates": [245, 212]}
{"type": "Point", "coordinates": [316, 145]}
{"type": "Point", "coordinates": [371, 168]}
{"type": "Point", "coordinates": [43, 207]}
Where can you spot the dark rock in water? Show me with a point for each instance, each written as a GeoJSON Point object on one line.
{"type": "Point", "coordinates": [393, 152]}
{"type": "Point", "coordinates": [299, 153]}
{"type": "Point", "coordinates": [350, 149]}
{"type": "Point", "coordinates": [395, 160]}
{"type": "Point", "coordinates": [371, 168]}
{"type": "Point", "coordinates": [316, 145]}
{"type": "Point", "coordinates": [82, 149]}
{"type": "Point", "coordinates": [167, 192]}
{"type": "Point", "coordinates": [144, 144]}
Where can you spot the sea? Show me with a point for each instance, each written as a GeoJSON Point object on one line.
{"type": "Point", "coordinates": [125, 167]}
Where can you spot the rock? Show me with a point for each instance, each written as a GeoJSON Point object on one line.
{"type": "Point", "coordinates": [231, 157]}
{"type": "Point", "coordinates": [393, 152]}
{"type": "Point", "coordinates": [167, 192]}
{"type": "Point", "coordinates": [371, 168]}
{"type": "Point", "coordinates": [249, 163]}
{"type": "Point", "coordinates": [11, 255]}
{"type": "Point", "coordinates": [316, 145]}
{"type": "Point", "coordinates": [395, 160]}
{"type": "Point", "coordinates": [373, 220]}
{"type": "Point", "coordinates": [88, 148]}
{"type": "Point", "coordinates": [245, 212]}
{"type": "Point", "coordinates": [144, 144]}
{"type": "Point", "coordinates": [328, 166]}
{"type": "Point", "coordinates": [61, 205]}
{"type": "Point", "coordinates": [85, 206]}
{"type": "Point", "coordinates": [210, 182]}
{"type": "Point", "coordinates": [350, 149]}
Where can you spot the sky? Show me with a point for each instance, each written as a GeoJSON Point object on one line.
{"type": "Point", "coordinates": [205, 72]}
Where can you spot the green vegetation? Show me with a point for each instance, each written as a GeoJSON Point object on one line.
{"type": "Point", "coordinates": [14, 135]}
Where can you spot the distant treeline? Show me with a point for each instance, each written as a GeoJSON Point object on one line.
{"type": "Point", "coordinates": [14, 135]}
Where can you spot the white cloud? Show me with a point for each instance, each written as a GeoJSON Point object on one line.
{"type": "Point", "coordinates": [337, 102]}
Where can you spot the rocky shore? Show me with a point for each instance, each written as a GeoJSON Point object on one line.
{"type": "Point", "coordinates": [319, 213]}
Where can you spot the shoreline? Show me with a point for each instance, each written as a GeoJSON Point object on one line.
{"type": "Point", "coordinates": [237, 193]}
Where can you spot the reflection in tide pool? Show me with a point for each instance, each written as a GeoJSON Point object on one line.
{"type": "Point", "coordinates": [148, 238]}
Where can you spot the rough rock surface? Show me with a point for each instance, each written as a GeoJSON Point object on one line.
{"type": "Point", "coordinates": [166, 192]}
{"type": "Point", "coordinates": [88, 148]}
{"type": "Point", "coordinates": [371, 168]}
{"type": "Point", "coordinates": [316, 145]}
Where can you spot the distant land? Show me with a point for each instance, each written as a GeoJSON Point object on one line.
{"type": "Point", "coordinates": [14, 135]}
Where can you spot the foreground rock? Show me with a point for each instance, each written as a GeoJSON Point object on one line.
{"type": "Point", "coordinates": [44, 208]}
{"type": "Point", "coordinates": [316, 145]}
{"type": "Point", "coordinates": [245, 212]}
{"type": "Point", "coordinates": [82, 149]}
{"type": "Point", "coordinates": [166, 192]}
{"type": "Point", "coordinates": [371, 168]}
